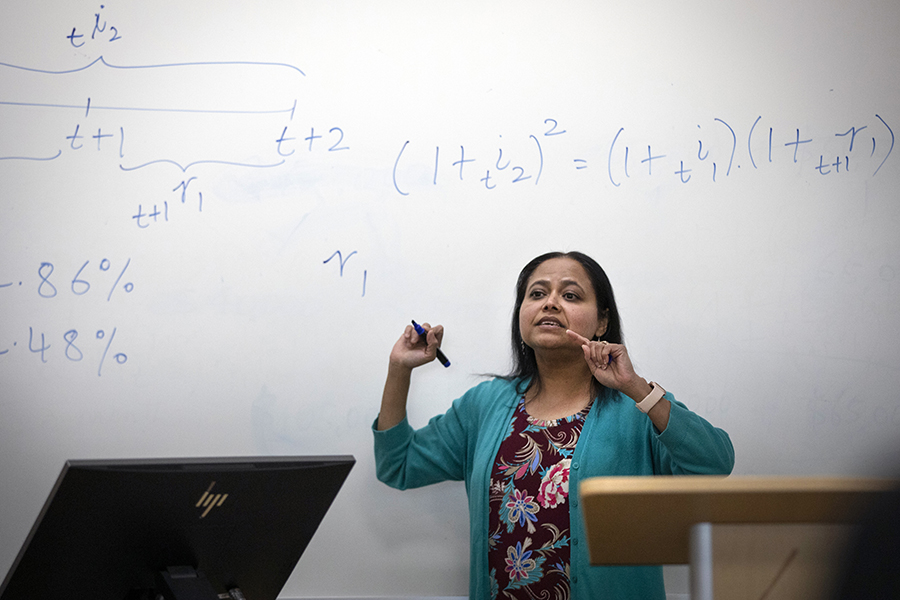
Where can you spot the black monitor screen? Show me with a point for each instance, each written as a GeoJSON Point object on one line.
{"type": "Point", "coordinates": [109, 528]}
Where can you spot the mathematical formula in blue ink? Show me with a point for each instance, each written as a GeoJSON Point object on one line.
{"type": "Point", "coordinates": [504, 169]}
{"type": "Point", "coordinates": [621, 153]}
{"type": "Point", "coordinates": [865, 149]}
{"type": "Point", "coordinates": [762, 145]}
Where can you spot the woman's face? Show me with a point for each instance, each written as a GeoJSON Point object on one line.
{"type": "Point", "coordinates": [559, 296]}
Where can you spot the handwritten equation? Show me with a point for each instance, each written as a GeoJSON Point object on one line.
{"type": "Point", "coordinates": [865, 149]}
{"type": "Point", "coordinates": [127, 121]}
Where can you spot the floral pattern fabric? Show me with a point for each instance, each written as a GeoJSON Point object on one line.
{"type": "Point", "coordinates": [529, 512]}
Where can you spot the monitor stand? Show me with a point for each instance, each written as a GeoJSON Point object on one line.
{"type": "Point", "coordinates": [184, 583]}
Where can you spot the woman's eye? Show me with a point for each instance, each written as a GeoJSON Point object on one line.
{"type": "Point", "coordinates": [536, 293]}
{"type": "Point", "coordinates": [570, 296]}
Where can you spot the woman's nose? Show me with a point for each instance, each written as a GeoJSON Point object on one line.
{"type": "Point", "coordinates": [551, 302]}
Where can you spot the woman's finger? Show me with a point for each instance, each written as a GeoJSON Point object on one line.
{"type": "Point", "coordinates": [605, 349]}
{"type": "Point", "coordinates": [577, 337]}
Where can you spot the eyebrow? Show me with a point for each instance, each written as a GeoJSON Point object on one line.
{"type": "Point", "coordinates": [565, 282]}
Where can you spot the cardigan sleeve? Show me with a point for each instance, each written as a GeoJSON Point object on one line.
{"type": "Point", "coordinates": [407, 458]}
{"type": "Point", "coordinates": [690, 445]}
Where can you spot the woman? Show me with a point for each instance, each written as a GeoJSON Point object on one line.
{"type": "Point", "coordinates": [523, 442]}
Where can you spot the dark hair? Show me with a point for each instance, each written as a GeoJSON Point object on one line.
{"type": "Point", "coordinates": [524, 362]}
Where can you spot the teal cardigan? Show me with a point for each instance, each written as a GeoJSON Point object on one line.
{"type": "Point", "coordinates": [617, 439]}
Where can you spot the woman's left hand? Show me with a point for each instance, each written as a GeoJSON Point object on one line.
{"type": "Point", "coordinates": [609, 363]}
{"type": "Point", "coordinates": [612, 367]}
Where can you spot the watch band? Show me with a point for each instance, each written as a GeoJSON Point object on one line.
{"type": "Point", "coordinates": [652, 398]}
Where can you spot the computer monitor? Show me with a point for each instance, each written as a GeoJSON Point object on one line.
{"type": "Point", "coordinates": [175, 528]}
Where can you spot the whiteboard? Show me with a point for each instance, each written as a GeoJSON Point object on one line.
{"type": "Point", "coordinates": [217, 217]}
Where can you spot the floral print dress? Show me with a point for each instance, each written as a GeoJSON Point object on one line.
{"type": "Point", "coordinates": [529, 513]}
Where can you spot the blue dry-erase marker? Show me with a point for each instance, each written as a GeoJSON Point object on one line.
{"type": "Point", "coordinates": [440, 355]}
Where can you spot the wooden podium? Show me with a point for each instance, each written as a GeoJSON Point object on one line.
{"type": "Point", "coordinates": [743, 537]}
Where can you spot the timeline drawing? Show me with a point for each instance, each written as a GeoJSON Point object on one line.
{"type": "Point", "coordinates": [176, 117]}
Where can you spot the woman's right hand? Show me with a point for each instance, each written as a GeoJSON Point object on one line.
{"type": "Point", "coordinates": [413, 350]}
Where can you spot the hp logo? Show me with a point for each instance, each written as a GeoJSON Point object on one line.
{"type": "Point", "coordinates": [208, 500]}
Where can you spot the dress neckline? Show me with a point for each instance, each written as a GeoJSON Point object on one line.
{"type": "Point", "coordinates": [553, 422]}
